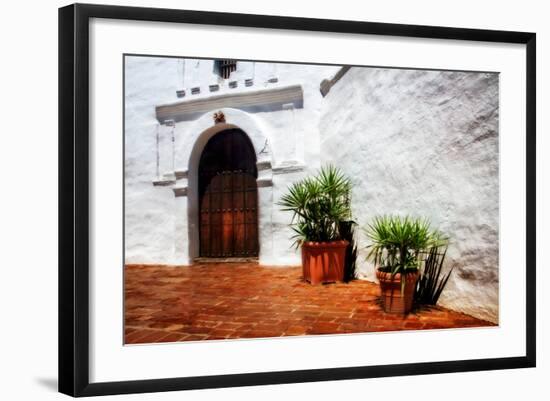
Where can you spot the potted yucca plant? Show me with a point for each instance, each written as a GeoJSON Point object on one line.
{"type": "Point", "coordinates": [396, 249]}
{"type": "Point", "coordinates": [319, 205]}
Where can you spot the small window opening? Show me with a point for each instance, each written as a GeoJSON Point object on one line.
{"type": "Point", "coordinates": [224, 68]}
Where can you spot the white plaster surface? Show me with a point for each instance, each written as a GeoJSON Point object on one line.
{"type": "Point", "coordinates": [424, 143]}
{"type": "Point", "coordinates": [418, 142]}
{"type": "Point", "coordinates": [149, 211]}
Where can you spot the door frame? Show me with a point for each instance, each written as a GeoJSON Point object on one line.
{"type": "Point", "coordinates": [190, 143]}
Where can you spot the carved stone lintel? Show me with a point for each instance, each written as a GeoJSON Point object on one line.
{"type": "Point", "coordinates": [252, 101]}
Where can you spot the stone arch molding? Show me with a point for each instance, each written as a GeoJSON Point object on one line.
{"type": "Point", "coordinates": [190, 140]}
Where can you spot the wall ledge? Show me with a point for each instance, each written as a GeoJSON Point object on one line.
{"type": "Point", "coordinates": [264, 165]}
{"type": "Point", "coordinates": [264, 182]}
{"type": "Point", "coordinates": [181, 174]}
{"type": "Point", "coordinates": [288, 168]}
{"type": "Point", "coordinates": [163, 182]}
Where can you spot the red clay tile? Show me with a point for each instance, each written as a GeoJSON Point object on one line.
{"type": "Point", "coordinates": [219, 301]}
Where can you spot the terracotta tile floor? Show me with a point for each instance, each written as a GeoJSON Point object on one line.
{"type": "Point", "coordinates": [219, 301]}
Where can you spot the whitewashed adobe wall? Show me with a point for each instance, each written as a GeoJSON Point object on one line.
{"type": "Point", "coordinates": [161, 227]}
{"type": "Point", "coordinates": [149, 220]}
{"type": "Point", "coordinates": [424, 143]}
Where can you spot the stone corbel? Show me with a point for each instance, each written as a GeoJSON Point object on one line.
{"type": "Point", "coordinates": [181, 174]}
{"type": "Point", "coordinates": [163, 183]}
{"type": "Point", "coordinates": [180, 191]}
{"type": "Point", "coordinates": [170, 179]}
{"type": "Point", "coordinates": [264, 182]}
{"type": "Point", "coordinates": [166, 180]}
{"type": "Point", "coordinates": [265, 174]}
{"type": "Point", "coordinates": [263, 165]}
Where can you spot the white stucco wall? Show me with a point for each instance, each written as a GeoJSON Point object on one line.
{"type": "Point", "coordinates": [162, 228]}
{"type": "Point", "coordinates": [418, 142]}
{"type": "Point", "coordinates": [149, 222]}
{"type": "Point", "coordinates": [424, 143]}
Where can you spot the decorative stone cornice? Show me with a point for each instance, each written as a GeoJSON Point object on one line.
{"type": "Point", "coordinates": [250, 100]}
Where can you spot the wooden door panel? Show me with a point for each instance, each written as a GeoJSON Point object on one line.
{"type": "Point", "coordinates": [239, 239]}
{"type": "Point", "coordinates": [214, 183]}
{"type": "Point", "coordinates": [251, 237]}
{"type": "Point", "coordinates": [238, 216]}
{"type": "Point", "coordinates": [250, 199]}
{"type": "Point", "coordinates": [227, 202]}
{"type": "Point", "coordinates": [238, 182]}
{"type": "Point", "coordinates": [215, 240]}
{"type": "Point", "coordinates": [250, 216]}
{"type": "Point", "coordinates": [227, 237]}
{"type": "Point", "coordinates": [215, 201]}
{"type": "Point", "coordinates": [226, 182]}
{"type": "Point", "coordinates": [227, 217]}
{"type": "Point", "coordinates": [215, 224]}
{"type": "Point", "coordinates": [238, 199]}
{"type": "Point", "coordinates": [205, 202]}
{"type": "Point", "coordinates": [205, 240]}
{"type": "Point", "coordinates": [250, 183]}
{"type": "Point", "coordinates": [205, 219]}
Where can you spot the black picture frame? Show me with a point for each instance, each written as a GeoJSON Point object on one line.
{"type": "Point", "coordinates": [74, 199]}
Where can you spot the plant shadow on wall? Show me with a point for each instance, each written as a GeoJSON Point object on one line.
{"type": "Point", "coordinates": [408, 256]}
{"type": "Point", "coordinates": [323, 225]}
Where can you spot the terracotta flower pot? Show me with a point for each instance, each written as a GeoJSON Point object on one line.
{"type": "Point", "coordinates": [323, 262]}
{"type": "Point", "coordinates": [393, 300]}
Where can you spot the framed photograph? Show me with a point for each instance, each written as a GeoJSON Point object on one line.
{"type": "Point", "coordinates": [252, 199]}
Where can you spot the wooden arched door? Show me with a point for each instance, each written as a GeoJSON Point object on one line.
{"type": "Point", "coordinates": [228, 196]}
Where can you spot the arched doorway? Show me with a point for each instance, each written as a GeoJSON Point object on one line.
{"type": "Point", "coordinates": [228, 196]}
